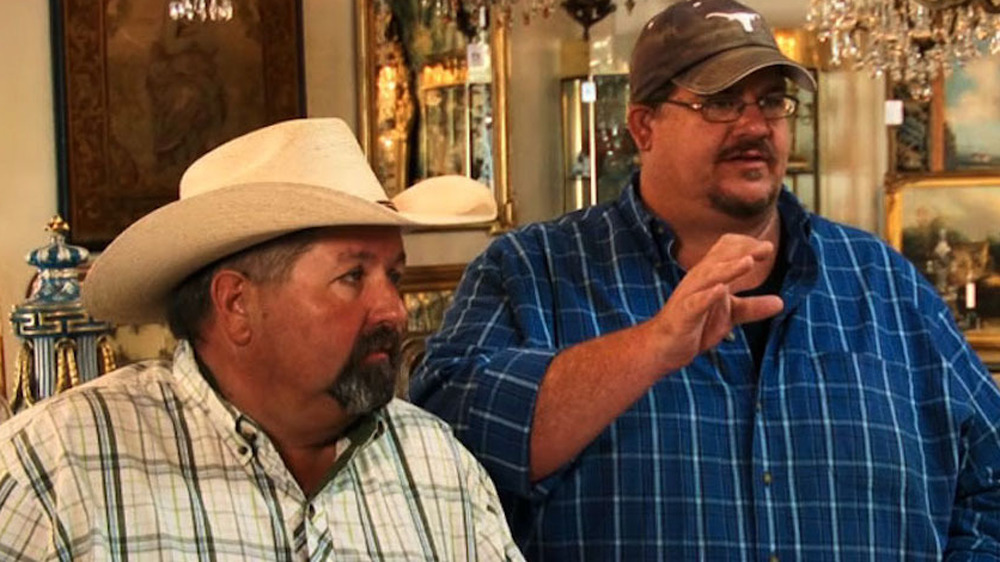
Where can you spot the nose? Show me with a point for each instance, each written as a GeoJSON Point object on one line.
{"type": "Point", "coordinates": [387, 305]}
{"type": "Point", "coordinates": [752, 119]}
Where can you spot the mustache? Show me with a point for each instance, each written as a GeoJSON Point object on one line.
{"type": "Point", "coordinates": [382, 338]}
{"type": "Point", "coordinates": [758, 145]}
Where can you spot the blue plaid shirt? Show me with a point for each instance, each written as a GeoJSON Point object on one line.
{"type": "Point", "coordinates": [869, 431]}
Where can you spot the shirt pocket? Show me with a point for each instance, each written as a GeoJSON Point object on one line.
{"type": "Point", "coordinates": [858, 436]}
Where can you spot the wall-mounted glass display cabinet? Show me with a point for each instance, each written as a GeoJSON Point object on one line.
{"type": "Point", "coordinates": [802, 175]}
{"type": "Point", "coordinates": [433, 94]}
{"type": "Point", "coordinates": [598, 152]}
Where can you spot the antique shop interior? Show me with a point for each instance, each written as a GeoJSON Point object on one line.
{"type": "Point", "coordinates": [526, 96]}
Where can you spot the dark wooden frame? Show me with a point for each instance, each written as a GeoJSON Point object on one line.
{"type": "Point", "coordinates": [92, 188]}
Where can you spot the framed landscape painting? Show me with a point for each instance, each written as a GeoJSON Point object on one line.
{"type": "Point", "coordinates": [971, 109]}
{"type": "Point", "coordinates": [949, 227]}
{"type": "Point", "coordinates": [957, 129]}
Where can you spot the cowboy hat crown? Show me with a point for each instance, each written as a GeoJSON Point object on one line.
{"type": "Point", "coordinates": [290, 176]}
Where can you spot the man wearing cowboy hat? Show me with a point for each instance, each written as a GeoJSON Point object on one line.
{"type": "Point", "coordinates": [273, 434]}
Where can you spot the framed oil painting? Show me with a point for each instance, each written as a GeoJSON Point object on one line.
{"type": "Point", "coordinates": [971, 119]}
{"type": "Point", "coordinates": [433, 82]}
{"type": "Point", "coordinates": [949, 227]}
{"type": "Point", "coordinates": [140, 96]}
{"type": "Point", "coordinates": [957, 129]}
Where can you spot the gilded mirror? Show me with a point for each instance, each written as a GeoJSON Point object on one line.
{"type": "Point", "coordinates": [433, 84]}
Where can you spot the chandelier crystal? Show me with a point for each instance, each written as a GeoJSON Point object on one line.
{"type": "Point", "coordinates": [506, 10]}
{"type": "Point", "coordinates": [201, 10]}
{"type": "Point", "coordinates": [910, 41]}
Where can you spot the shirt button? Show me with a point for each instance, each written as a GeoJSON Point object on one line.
{"type": "Point", "coordinates": [759, 406]}
{"type": "Point", "coordinates": [311, 510]}
{"type": "Point", "coordinates": [731, 336]}
{"type": "Point", "coordinates": [767, 478]}
{"type": "Point", "coordinates": [773, 558]}
{"type": "Point", "coordinates": [243, 450]}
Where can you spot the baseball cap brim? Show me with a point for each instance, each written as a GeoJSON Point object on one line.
{"type": "Point", "coordinates": [729, 67]}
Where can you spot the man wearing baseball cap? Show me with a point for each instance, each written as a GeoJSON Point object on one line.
{"type": "Point", "coordinates": [703, 370]}
{"type": "Point", "coordinates": [273, 434]}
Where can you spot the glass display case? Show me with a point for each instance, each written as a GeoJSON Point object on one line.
{"type": "Point", "coordinates": [802, 175]}
{"type": "Point", "coordinates": [598, 152]}
{"type": "Point", "coordinates": [456, 136]}
{"type": "Point", "coordinates": [433, 80]}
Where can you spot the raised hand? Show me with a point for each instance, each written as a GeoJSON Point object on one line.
{"type": "Point", "coordinates": [704, 307]}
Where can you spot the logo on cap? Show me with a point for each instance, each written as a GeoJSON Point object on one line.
{"type": "Point", "coordinates": [746, 19]}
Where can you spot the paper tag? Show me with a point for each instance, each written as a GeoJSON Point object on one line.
{"type": "Point", "coordinates": [970, 295]}
{"type": "Point", "coordinates": [893, 112]}
{"type": "Point", "coordinates": [588, 91]}
{"type": "Point", "coordinates": [477, 57]}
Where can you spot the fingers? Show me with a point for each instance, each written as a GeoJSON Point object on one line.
{"type": "Point", "coordinates": [730, 246]}
{"type": "Point", "coordinates": [751, 309]}
{"type": "Point", "coordinates": [699, 303]}
{"type": "Point", "coordinates": [731, 257]}
{"type": "Point", "coordinates": [709, 273]}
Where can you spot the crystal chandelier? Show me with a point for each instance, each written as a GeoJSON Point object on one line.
{"type": "Point", "coordinates": [506, 10]}
{"type": "Point", "coordinates": [201, 10]}
{"type": "Point", "coordinates": [910, 41]}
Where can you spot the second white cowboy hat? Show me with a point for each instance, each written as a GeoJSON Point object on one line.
{"type": "Point", "coordinates": [289, 176]}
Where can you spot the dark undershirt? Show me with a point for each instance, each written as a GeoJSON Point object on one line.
{"type": "Point", "coordinates": [757, 332]}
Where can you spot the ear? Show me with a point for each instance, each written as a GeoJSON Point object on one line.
{"type": "Point", "coordinates": [232, 294]}
{"type": "Point", "coordinates": [639, 118]}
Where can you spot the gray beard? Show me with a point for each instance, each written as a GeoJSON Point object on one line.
{"type": "Point", "coordinates": [362, 388]}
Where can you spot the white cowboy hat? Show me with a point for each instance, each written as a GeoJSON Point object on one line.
{"type": "Point", "coordinates": [289, 176]}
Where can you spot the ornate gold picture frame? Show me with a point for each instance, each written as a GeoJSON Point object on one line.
{"type": "Point", "coordinates": [949, 226]}
{"type": "Point", "coordinates": [433, 95]}
{"type": "Point", "coordinates": [427, 292]}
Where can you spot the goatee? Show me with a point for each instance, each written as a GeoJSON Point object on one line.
{"type": "Point", "coordinates": [365, 386]}
{"type": "Point", "coordinates": [738, 208]}
{"type": "Point", "coordinates": [735, 206]}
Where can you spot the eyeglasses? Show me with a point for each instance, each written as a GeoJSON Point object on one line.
{"type": "Point", "coordinates": [729, 109]}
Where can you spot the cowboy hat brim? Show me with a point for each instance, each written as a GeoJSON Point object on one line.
{"type": "Point", "coordinates": [131, 280]}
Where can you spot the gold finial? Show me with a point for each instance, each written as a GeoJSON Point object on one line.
{"type": "Point", "coordinates": [57, 226]}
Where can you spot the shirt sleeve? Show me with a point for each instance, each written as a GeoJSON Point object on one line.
{"type": "Point", "coordinates": [482, 370]}
{"type": "Point", "coordinates": [974, 532]}
{"type": "Point", "coordinates": [493, 538]}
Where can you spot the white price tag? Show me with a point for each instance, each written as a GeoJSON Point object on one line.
{"type": "Point", "coordinates": [588, 91]}
{"type": "Point", "coordinates": [893, 112]}
{"type": "Point", "coordinates": [477, 58]}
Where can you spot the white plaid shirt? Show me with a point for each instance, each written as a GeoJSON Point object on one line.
{"type": "Point", "coordinates": [149, 462]}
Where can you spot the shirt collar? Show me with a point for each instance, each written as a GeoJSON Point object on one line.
{"type": "Point", "coordinates": [653, 234]}
{"type": "Point", "coordinates": [657, 237]}
{"type": "Point", "coordinates": [197, 388]}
